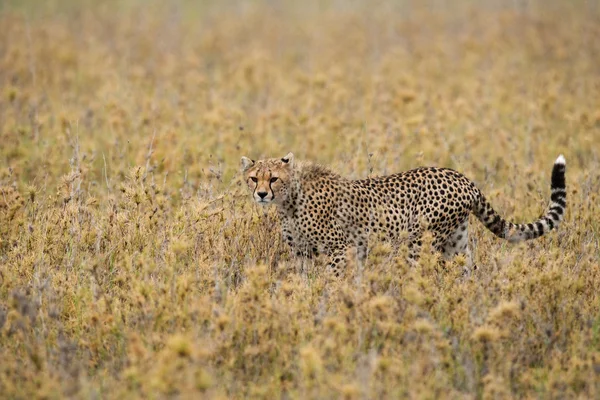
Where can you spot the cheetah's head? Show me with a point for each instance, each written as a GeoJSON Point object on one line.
{"type": "Point", "coordinates": [268, 179]}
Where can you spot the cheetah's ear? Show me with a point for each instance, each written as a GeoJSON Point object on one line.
{"type": "Point", "coordinates": [246, 163]}
{"type": "Point", "coordinates": [288, 159]}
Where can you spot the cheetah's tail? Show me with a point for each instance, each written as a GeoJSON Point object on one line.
{"type": "Point", "coordinates": [519, 232]}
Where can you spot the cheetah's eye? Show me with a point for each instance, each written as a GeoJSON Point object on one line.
{"type": "Point", "coordinates": [254, 179]}
{"type": "Point", "coordinates": [274, 179]}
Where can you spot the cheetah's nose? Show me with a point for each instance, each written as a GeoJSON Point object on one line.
{"type": "Point", "coordinates": [262, 195]}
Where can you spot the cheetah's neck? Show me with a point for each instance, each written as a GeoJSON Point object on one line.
{"type": "Point", "coordinates": [305, 174]}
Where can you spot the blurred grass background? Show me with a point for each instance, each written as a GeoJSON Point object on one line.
{"type": "Point", "coordinates": [133, 263]}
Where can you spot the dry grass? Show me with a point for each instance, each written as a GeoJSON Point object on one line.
{"type": "Point", "coordinates": [133, 263]}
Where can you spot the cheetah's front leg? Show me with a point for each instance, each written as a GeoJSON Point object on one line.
{"type": "Point", "coordinates": [336, 245]}
{"type": "Point", "coordinates": [337, 261]}
{"type": "Point", "coordinates": [325, 234]}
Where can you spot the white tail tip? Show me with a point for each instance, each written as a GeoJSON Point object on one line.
{"type": "Point", "coordinates": [560, 160]}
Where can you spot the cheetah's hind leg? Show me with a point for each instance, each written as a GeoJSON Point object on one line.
{"type": "Point", "coordinates": [458, 243]}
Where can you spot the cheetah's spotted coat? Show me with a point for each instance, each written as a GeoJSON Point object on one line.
{"type": "Point", "coordinates": [322, 212]}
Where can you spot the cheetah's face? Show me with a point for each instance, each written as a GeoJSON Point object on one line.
{"type": "Point", "coordinates": [268, 179]}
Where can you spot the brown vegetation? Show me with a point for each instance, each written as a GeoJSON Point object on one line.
{"type": "Point", "coordinates": [134, 264]}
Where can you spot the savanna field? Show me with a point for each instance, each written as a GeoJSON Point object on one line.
{"type": "Point", "coordinates": [134, 264]}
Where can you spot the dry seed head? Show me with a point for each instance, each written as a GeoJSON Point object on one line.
{"type": "Point", "coordinates": [503, 312]}
{"type": "Point", "coordinates": [383, 363]}
{"type": "Point", "coordinates": [460, 260]}
{"type": "Point", "coordinates": [137, 350]}
{"type": "Point", "coordinates": [223, 321]}
{"type": "Point", "coordinates": [69, 178]}
{"type": "Point", "coordinates": [91, 201]}
{"type": "Point", "coordinates": [494, 387]}
{"type": "Point", "coordinates": [180, 246]}
{"type": "Point", "coordinates": [381, 304]}
{"type": "Point", "coordinates": [287, 288]}
{"type": "Point", "coordinates": [180, 345]}
{"type": "Point", "coordinates": [11, 93]}
{"type": "Point", "coordinates": [135, 173]}
{"type": "Point", "coordinates": [413, 295]}
{"type": "Point", "coordinates": [350, 391]}
{"type": "Point", "coordinates": [203, 380]}
{"type": "Point", "coordinates": [382, 249]}
{"type": "Point", "coordinates": [31, 192]}
{"type": "Point", "coordinates": [486, 334]}
{"type": "Point", "coordinates": [253, 350]}
{"type": "Point", "coordinates": [423, 326]}
{"type": "Point", "coordinates": [131, 375]}
{"type": "Point", "coordinates": [348, 298]}
{"type": "Point", "coordinates": [334, 325]}
{"type": "Point", "coordinates": [311, 362]}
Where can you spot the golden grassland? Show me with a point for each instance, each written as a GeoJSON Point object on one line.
{"type": "Point", "coordinates": [134, 264]}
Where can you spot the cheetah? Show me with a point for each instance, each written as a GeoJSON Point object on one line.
{"type": "Point", "coordinates": [323, 212]}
